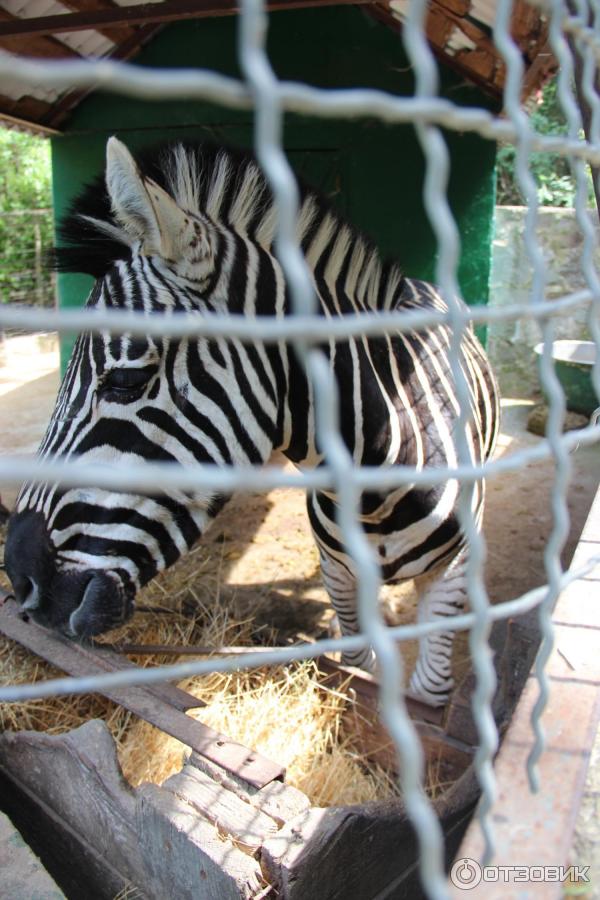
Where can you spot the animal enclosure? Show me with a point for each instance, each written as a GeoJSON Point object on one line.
{"type": "Point", "coordinates": [423, 828]}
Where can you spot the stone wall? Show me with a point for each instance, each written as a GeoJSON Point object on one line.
{"type": "Point", "coordinates": [510, 344]}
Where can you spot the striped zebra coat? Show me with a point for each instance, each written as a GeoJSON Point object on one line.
{"type": "Point", "coordinates": [191, 229]}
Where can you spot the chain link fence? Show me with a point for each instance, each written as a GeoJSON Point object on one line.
{"type": "Point", "coordinates": [26, 237]}
{"type": "Point", "coordinates": [261, 90]}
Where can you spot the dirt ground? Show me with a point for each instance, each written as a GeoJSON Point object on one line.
{"type": "Point", "coordinates": [259, 553]}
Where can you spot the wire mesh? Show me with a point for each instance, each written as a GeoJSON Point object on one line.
{"type": "Point", "coordinates": [429, 113]}
{"type": "Point", "coordinates": [25, 239]}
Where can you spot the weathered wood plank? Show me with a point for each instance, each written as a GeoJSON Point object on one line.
{"type": "Point", "coordinates": [77, 772]}
{"type": "Point", "coordinates": [278, 800]}
{"type": "Point", "coordinates": [109, 836]}
{"type": "Point", "coordinates": [514, 643]}
{"type": "Point", "coordinates": [360, 852]}
{"type": "Point", "coordinates": [68, 857]}
{"type": "Point", "coordinates": [222, 808]}
{"type": "Point", "coordinates": [187, 856]}
{"type": "Point", "coordinates": [337, 853]}
{"type": "Point", "coordinates": [68, 797]}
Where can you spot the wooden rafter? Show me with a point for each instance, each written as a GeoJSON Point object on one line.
{"type": "Point", "coordinates": [32, 45]}
{"type": "Point", "coordinates": [460, 7]}
{"type": "Point", "coordinates": [59, 111]}
{"type": "Point", "coordinates": [129, 27]}
{"type": "Point", "coordinates": [482, 62]}
{"type": "Point", "coordinates": [171, 11]}
{"type": "Point", "coordinates": [542, 66]}
{"type": "Point", "coordinates": [21, 113]}
{"type": "Point", "coordinates": [437, 36]}
{"type": "Point", "coordinates": [29, 105]}
{"type": "Point", "coordinates": [116, 34]}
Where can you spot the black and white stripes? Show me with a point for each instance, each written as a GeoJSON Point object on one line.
{"type": "Point", "coordinates": [191, 229]}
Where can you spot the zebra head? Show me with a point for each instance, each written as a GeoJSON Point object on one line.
{"type": "Point", "coordinates": [76, 557]}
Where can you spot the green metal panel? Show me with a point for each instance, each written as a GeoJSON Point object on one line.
{"type": "Point", "coordinates": [372, 171]}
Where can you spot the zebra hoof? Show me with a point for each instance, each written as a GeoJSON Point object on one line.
{"type": "Point", "coordinates": [438, 696]}
{"type": "Point", "coordinates": [367, 662]}
{"type": "Point", "coordinates": [333, 628]}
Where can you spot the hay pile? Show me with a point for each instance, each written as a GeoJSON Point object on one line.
{"type": "Point", "coordinates": [287, 716]}
{"type": "Point", "coordinates": [284, 713]}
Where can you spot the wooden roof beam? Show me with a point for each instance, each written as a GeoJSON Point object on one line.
{"type": "Point", "coordinates": [60, 110]}
{"type": "Point", "coordinates": [118, 34]}
{"type": "Point", "coordinates": [34, 45]}
{"type": "Point", "coordinates": [438, 27]}
{"type": "Point", "coordinates": [25, 113]}
{"type": "Point", "coordinates": [171, 11]}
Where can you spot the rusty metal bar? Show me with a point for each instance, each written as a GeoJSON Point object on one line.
{"type": "Point", "coordinates": [162, 705]}
{"type": "Point", "coordinates": [362, 682]}
{"type": "Point", "coordinates": [184, 650]}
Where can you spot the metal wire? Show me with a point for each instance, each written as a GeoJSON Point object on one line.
{"type": "Point", "coordinates": [429, 113]}
{"type": "Point", "coordinates": [300, 327]}
{"type": "Point", "coordinates": [163, 84]}
{"type": "Point", "coordinates": [77, 685]}
{"type": "Point", "coordinates": [556, 398]}
{"type": "Point", "coordinates": [442, 221]}
{"type": "Point", "coordinates": [14, 470]}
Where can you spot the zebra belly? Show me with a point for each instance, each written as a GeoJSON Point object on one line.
{"type": "Point", "coordinates": [412, 532]}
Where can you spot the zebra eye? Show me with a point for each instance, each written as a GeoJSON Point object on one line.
{"type": "Point", "coordinates": [125, 384]}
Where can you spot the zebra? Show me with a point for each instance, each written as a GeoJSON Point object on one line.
{"type": "Point", "coordinates": [191, 228]}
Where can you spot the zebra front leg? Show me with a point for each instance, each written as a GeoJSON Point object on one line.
{"type": "Point", "coordinates": [443, 598]}
{"type": "Point", "coordinates": [340, 584]}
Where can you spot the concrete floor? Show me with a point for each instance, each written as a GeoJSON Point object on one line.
{"type": "Point", "coordinates": [23, 875]}
{"type": "Point", "coordinates": [29, 380]}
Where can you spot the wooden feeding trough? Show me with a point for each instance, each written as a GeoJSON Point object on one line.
{"type": "Point", "coordinates": [227, 825]}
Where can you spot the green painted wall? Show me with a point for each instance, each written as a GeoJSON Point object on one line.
{"type": "Point", "coordinates": [373, 172]}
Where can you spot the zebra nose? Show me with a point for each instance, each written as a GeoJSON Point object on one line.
{"type": "Point", "coordinates": [29, 558]}
{"type": "Point", "coordinates": [103, 603]}
{"type": "Point", "coordinates": [27, 592]}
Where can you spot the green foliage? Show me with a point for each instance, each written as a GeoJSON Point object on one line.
{"type": "Point", "coordinates": [550, 170]}
{"type": "Point", "coordinates": [24, 171]}
{"type": "Point", "coordinates": [25, 188]}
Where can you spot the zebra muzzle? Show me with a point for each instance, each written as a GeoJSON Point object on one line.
{"type": "Point", "coordinates": [79, 602]}
{"type": "Point", "coordinates": [104, 605]}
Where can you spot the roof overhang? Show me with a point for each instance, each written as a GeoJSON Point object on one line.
{"type": "Point", "coordinates": [459, 32]}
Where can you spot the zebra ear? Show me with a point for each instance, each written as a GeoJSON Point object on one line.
{"type": "Point", "coordinates": [148, 213]}
{"type": "Point", "coordinates": [129, 199]}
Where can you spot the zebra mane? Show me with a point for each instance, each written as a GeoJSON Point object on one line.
{"type": "Point", "coordinates": [198, 176]}
{"type": "Point", "coordinates": [229, 187]}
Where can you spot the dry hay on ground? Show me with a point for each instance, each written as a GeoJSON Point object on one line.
{"type": "Point", "coordinates": [285, 713]}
